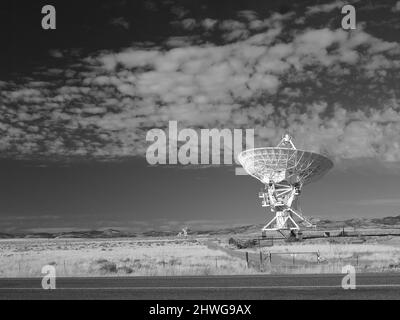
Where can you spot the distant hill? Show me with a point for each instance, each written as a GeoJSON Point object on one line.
{"type": "Point", "coordinates": [386, 222]}
{"type": "Point", "coordinates": [361, 222]}
{"type": "Point", "coordinates": [6, 236]}
{"type": "Point", "coordinates": [89, 234]}
{"type": "Point", "coordinates": [108, 233]}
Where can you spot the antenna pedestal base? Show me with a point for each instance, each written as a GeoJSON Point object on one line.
{"type": "Point", "coordinates": [284, 220]}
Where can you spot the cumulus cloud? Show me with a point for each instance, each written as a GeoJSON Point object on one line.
{"type": "Point", "coordinates": [337, 5]}
{"type": "Point", "coordinates": [332, 89]}
{"type": "Point", "coordinates": [396, 7]}
{"type": "Point", "coordinates": [327, 7]}
{"type": "Point", "coordinates": [120, 22]}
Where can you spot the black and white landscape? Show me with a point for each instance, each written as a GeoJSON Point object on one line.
{"type": "Point", "coordinates": [83, 93]}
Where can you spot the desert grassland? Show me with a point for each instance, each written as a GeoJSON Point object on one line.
{"type": "Point", "coordinates": [192, 256]}
{"type": "Point", "coordinates": [371, 256]}
{"type": "Point", "coordinates": [115, 257]}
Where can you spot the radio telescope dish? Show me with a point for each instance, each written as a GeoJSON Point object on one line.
{"type": "Point", "coordinates": [284, 170]}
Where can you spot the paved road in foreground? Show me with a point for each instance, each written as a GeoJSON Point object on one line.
{"type": "Point", "coordinates": [324, 286]}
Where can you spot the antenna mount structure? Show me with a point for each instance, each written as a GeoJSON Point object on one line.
{"type": "Point", "coordinates": [284, 170]}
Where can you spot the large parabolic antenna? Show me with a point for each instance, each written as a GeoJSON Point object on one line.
{"type": "Point", "coordinates": [284, 170]}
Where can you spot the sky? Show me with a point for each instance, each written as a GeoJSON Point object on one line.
{"type": "Point", "coordinates": [77, 103]}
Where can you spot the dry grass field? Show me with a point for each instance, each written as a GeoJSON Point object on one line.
{"type": "Point", "coordinates": [115, 257]}
{"type": "Point", "coordinates": [322, 256]}
{"type": "Point", "coordinates": [164, 256]}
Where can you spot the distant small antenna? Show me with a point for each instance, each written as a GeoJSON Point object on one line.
{"type": "Point", "coordinates": [183, 233]}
